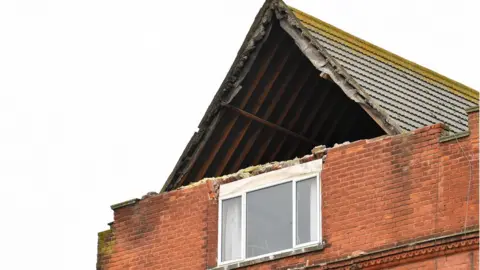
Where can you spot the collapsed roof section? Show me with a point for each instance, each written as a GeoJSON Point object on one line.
{"type": "Point", "coordinates": [284, 94]}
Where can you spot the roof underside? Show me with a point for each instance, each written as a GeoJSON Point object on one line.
{"type": "Point", "coordinates": [297, 83]}
{"type": "Point", "coordinates": [283, 109]}
{"type": "Point", "coordinates": [412, 95]}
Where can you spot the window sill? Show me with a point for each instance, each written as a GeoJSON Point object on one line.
{"type": "Point", "coordinates": [293, 252]}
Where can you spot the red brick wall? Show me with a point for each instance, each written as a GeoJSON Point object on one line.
{"type": "Point", "coordinates": [166, 231]}
{"type": "Point", "coordinates": [376, 194]}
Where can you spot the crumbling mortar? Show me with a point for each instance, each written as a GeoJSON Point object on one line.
{"type": "Point", "coordinates": [249, 172]}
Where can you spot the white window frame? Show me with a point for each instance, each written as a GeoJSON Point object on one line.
{"type": "Point", "coordinates": [240, 188]}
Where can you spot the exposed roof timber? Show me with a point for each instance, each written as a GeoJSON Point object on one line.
{"type": "Point", "coordinates": [309, 120]}
{"type": "Point", "coordinates": [251, 140]}
{"type": "Point", "coordinates": [256, 37]}
{"type": "Point", "coordinates": [317, 55]}
{"type": "Point", "coordinates": [251, 87]}
{"type": "Point", "coordinates": [304, 100]}
{"type": "Point", "coordinates": [326, 64]}
{"type": "Point", "coordinates": [340, 118]}
{"type": "Point", "coordinates": [271, 125]}
{"type": "Point", "coordinates": [190, 162]}
{"type": "Point", "coordinates": [208, 152]}
{"type": "Point", "coordinates": [267, 61]}
{"type": "Point", "coordinates": [320, 121]}
{"type": "Point", "coordinates": [302, 106]}
{"type": "Point", "coordinates": [298, 85]}
{"type": "Point", "coordinates": [332, 100]}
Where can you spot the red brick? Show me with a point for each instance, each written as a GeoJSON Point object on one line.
{"type": "Point", "coordinates": [375, 194]}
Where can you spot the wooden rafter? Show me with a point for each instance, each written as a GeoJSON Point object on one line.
{"type": "Point", "coordinates": [248, 92]}
{"type": "Point", "coordinates": [339, 118]}
{"type": "Point", "coordinates": [321, 100]}
{"type": "Point", "coordinates": [281, 90]}
{"type": "Point", "coordinates": [265, 90]}
{"type": "Point", "coordinates": [270, 124]}
{"type": "Point", "coordinates": [299, 84]}
{"type": "Point", "coordinates": [327, 111]}
{"type": "Point", "coordinates": [294, 121]}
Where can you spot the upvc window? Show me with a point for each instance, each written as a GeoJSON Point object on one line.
{"type": "Point", "coordinates": [270, 213]}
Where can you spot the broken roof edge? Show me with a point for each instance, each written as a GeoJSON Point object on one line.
{"type": "Point", "coordinates": [246, 55]}
{"type": "Point", "coordinates": [457, 87]}
{"type": "Point", "coordinates": [325, 63]}
{"type": "Point", "coordinates": [257, 170]}
{"type": "Point", "coordinates": [318, 152]}
{"type": "Point", "coordinates": [254, 36]}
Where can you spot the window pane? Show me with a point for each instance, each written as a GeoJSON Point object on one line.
{"type": "Point", "coordinates": [269, 220]}
{"type": "Point", "coordinates": [231, 229]}
{"type": "Point", "coordinates": [307, 211]}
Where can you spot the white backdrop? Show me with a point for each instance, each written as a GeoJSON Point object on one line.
{"type": "Point", "coordinates": [99, 98]}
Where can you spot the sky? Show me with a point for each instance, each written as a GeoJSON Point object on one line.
{"type": "Point", "coordinates": [99, 98]}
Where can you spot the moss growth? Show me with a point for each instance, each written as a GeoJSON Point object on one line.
{"type": "Point", "coordinates": [123, 204]}
{"type": "Point", "coordinates": [105, 243]}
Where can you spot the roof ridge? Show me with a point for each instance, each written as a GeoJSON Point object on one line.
{"type": "Point", "coordinates": [457, 87]}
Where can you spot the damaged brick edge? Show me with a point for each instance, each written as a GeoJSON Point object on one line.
{"type": "Point", "coordinates": [294, 252]}
{"type": "Point", "coordinates": [124, 204]}
{"type": "Point", "coordinates": [254, 170]}
{"type": "Point", "coordinates": [241, 174]}
{"type": "Point", "coordinates": [318, 152]}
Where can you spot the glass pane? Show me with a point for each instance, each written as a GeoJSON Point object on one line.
{"type": "Point", "coordinates": [231, 229]}
{"type": "Point", "coordinates": [269, 220]}
{"type": "Point", "coordinates": [307, 211]}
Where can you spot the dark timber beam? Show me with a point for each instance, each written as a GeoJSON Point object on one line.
{"type": "Point", "coordinates": [278, 67]}
{"type": "Point", "coordinates": [269, 124]}
{"type": "Point", "coordinates": [183, 175]}
{"type": "Point", "coordinates": [287, 79]}
{"type": "Point", "coordinates": [299, 83]}
{"type": "Point", "coordinates": [333, 99]}
{"type": "Point", "coordinates": [253, 43]}
{"type": "Point", "coordinates": [294, 121]}
{"type": "Point", "coordinates": [308, 92]}
{"type": "Point", "coordinates": [248, 92]}
{"type": "Point", "coordinates": [343, 112]}
{"type": "Point", "coordinates": [325, 88]}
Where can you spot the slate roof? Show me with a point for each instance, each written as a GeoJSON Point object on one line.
{"type": "Point", "coordinates": [411, 94]}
